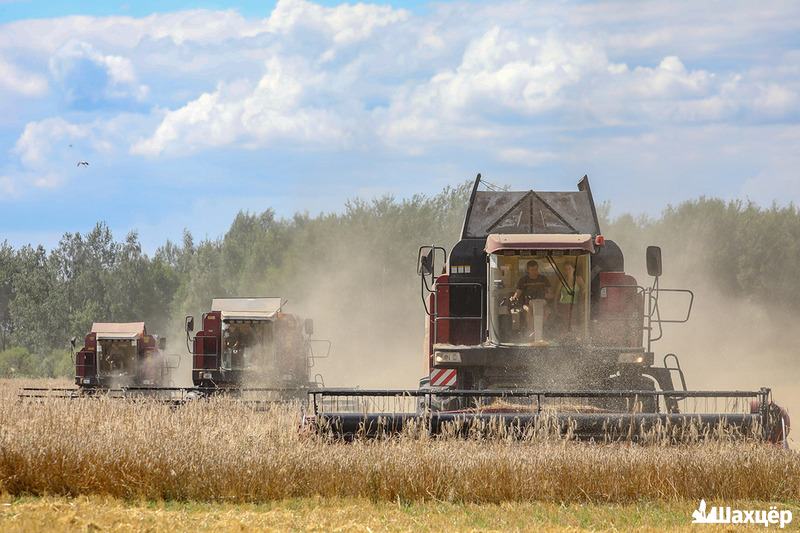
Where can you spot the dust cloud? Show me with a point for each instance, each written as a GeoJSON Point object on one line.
{"type": "Point", "coordinates": [176, 359]}
{"type": "Point", "coordinates": [729, 342]}
{"type": "Point", "coordinates": [373, 315]}
{"type": "Point", "coordinates": [376, 324]}
{"type": "Point", "coordinates": [370, 309]}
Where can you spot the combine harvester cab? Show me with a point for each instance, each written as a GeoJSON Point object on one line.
{"type": "Point", "coordinates": [249, 347]}
{"type": "Point", "coordinates": [533, 324]}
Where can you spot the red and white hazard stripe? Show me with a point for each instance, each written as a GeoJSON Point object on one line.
{"type": "Point", "coordinates": [443, 377]}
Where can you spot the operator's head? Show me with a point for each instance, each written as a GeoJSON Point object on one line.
{"type": "Point", "coordinates": [533, 268]}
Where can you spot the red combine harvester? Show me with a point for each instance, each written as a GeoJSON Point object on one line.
{"type": "Point", "coordinates": [119, 355]}
{"type": "Point", "coordinates": [251, 345]}
{"type": "Point", "coordinates": [533, 317]}
{"type": "Point", "coordinates": [116, 358]}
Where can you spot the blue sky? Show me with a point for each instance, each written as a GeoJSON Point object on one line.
{"type": "Point", "coordinates": [190, 112]}
{"type": "Point", "coordinates": [11, 10]}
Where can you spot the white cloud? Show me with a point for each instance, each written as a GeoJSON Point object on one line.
{"type": "Point", "coordinates": [179, 28]}
{"type": "Point", "coordinates": [775, 100]}
{"type": "Point", "coordinates": [37, 139]}
{"type": "Point", "coordinates": [13, 79]}
{"type": "Point", "coordinates": [88, 77]}
{"type": "Point", "coordinates": [296, 98]}
{"type": "Point", "coordinates": [13, 185]}
{"type": "Point", "coordinates": [342, 24]}
{"type": "Point", "coordinates": [275, 108]}
{"type": "Point", "coordinates": [516, 82]}
{"type": "Point", "coordinates": [45, 154]}
{"type": "Point", "coordinates": [670, 79]}
{"type": "Point", "coordinates": [48, 150]}
{"type": "Point", "coordinates": [508, 69]}
{"type": "Point", "coordinates": [507, 81]}
{"type": "Point", "coordinates": [502, 73]}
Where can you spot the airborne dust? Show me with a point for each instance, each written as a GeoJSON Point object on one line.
{"type": "Point", "coordinates": [729, 342]}
{"type": "Point", "coordinates": [364, 296]}
{"type": "Point", "coordinates": [373, 314]}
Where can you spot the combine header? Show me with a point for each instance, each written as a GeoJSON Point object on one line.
{"type": "Point", "coordinates": [533, 324]}
{"type": "Point", "coordinates": [249, 346]}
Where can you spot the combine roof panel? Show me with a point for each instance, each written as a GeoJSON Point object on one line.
{"type": "Point", "coordinates": [118, 330]}
{"type": "Point", "coordinates": [529, 212]}
{"type": "Point", "coordinates": [247, 308]}
{"type": "Point", "coordinates": [509, 241]}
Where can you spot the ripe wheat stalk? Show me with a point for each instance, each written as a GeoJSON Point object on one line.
{"type": "Point", "coordinates": [222, 451]}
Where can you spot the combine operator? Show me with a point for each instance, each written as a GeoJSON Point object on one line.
{"type": "Point", "coordinates": [535, 295]}
{"type": "Point", "coordinates": [533, 285]}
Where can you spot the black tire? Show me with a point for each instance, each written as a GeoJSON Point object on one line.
{"type": "Point", "coordinates": [632, 381]}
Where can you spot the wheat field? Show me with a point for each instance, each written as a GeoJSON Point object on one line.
{"type": "Point", "coordinates": [218, 451]}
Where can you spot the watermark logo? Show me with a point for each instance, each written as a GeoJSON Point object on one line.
{"type": "Point", "coordinates": [726, 515]}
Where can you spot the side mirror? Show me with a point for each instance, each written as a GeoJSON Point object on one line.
{"type": "Point", "coordinates": [426, 259]}
{"type": "Point", "coordinates": [162, 343]}
{"type": "Point", "coordinates": [189, 324]}
{"type": "Point", "coordinates": [425, 266]}
{"type": "Point", "coordinates": [72, 342]}
{"type": "Point", "coordinates": [308, 326]}
{"type": "Point", "coordinates": [654, 260]}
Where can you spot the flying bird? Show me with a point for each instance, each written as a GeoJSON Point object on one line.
{"type": "Point", "coordinates": [83, 163]}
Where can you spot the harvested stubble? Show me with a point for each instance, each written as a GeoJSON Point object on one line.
{"type": "Point", "coordinates": [220, 451]}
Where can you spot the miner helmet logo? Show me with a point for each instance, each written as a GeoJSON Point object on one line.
{"type": "Point", "coordinates": [727, 515]}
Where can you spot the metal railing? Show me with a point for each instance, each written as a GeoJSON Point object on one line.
{"type": "Point", "coordinates": [653, 313]}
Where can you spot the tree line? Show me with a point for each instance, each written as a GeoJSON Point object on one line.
{"type": "Point", "coordinates": [345, 262]}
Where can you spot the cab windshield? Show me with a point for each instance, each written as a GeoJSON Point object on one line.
{"type": "Point", "coordinates": [116, 357]}
{"type": "Point", "coordinates": [247, 344]}
{"type": "Point", "coordinates": [538, 298]}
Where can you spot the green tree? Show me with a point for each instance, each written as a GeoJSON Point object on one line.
{"type": "Point", "coordinates": [8, 267]}
{"type": "Point", "coordinates": [17, 362]}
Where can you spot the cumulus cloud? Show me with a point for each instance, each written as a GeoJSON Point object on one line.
{"type": "Point", "coordinates": [523, 84]}
{"type": "Point", "coordinates": [48, 150]}
{"type": "Point", "coordinates": [88, 78]}
{"type": "Point", "coordinates": [508, 80]}
{"type": "Point", "coordinates": [45, 153]}
{"type": "Point", "coordinates": [774, 99]}
{"type": "Point", "coordinates": [342, 24]}
{"type": "Point", "coordinates": [15, 80]}
{"type": "Point", "coordinates": [179, 28]}
{"type": "Point", "coordinates": [35, 144]}
{"type": "Point", "coordinates": [277, 107]}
